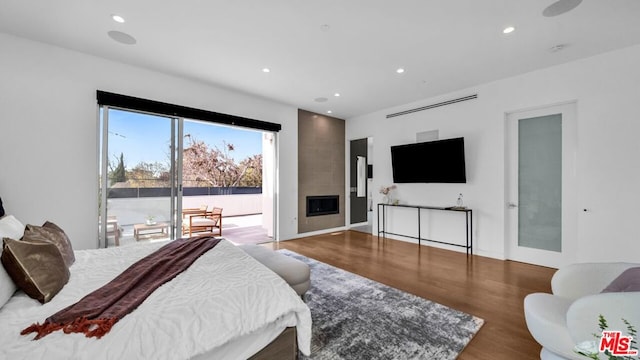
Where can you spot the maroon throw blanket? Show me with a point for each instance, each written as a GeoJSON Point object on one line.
{"type": "Point", "coordinates": [96, 313]}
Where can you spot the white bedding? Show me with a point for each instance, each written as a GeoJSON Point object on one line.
{"type": "Point", "coordinates": [222, 298]}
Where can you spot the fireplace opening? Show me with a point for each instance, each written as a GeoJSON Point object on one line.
{"type": "Point", "coordinates": [322, 205]}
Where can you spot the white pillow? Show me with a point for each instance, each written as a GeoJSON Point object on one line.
{"type": "Point", "coordinates": [12, 228]}
{"type": "Point", "coordinates": [7, 287]}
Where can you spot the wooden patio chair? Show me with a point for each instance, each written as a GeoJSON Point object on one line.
{"type": "Point", "coordinates": [113, 228]}
{"type": "Point", "coordinates": [202, 221]}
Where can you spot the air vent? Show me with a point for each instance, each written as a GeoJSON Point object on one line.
{"type": "Point", "coordinates": [448, 102]}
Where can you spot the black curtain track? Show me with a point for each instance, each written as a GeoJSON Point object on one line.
{"type": "Point", "coordinates": [161, 108]}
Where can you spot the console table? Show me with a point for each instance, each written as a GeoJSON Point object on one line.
{"type": "Point", "coordinates": [382, 209]}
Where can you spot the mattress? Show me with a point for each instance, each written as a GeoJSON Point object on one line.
{"type": "Point", "coordinates": [226, 305]}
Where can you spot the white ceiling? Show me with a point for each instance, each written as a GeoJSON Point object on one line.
{"type": "Point", "coordinates": [317, 48]}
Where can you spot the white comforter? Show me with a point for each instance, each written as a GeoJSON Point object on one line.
{"type": "Point", "coordinates": [224, 295]}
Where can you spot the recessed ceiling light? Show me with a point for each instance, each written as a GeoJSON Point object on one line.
{"type": "Point", "coordinates": [329, 111]}
{"type": "Point", "coordinates": [400, 70]}
{"type": "Point", "coordinates": [117, 18]}
{"type": "Point", "coordinates": [320, 99]}
{"type": "Point", "coordinates": [266, 70]}
{"type": "Point", "coordinates": [336, 94]}
{"type": "Point", "coordinates": [508, 30]}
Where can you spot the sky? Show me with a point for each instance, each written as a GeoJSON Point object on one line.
{"type": "Point", "coordinates": [142, 137]}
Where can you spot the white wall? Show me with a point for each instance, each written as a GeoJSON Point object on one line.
{"type": "Point", "coordinates": [48, 131]}
{"type": "Point", "coordinates": [607, 91]}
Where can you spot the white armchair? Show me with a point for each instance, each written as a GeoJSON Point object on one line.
{"type": "Point", "coordinates": [569, 316]}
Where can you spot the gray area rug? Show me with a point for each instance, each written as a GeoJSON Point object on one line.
{"type": "Point", "coordinates": [357, 318]}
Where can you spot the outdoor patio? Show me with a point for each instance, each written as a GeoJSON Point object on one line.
{"type": "Point", "coordinates": [245, 217]}
{"type": "Point", "coordinates": [242, 229]}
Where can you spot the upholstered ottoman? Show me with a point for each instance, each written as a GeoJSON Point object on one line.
{"type": "Point", "coordinates": [293, 271]}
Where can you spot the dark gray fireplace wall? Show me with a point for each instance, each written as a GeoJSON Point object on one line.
{"type": "Point", "coordinates": [321, 168]}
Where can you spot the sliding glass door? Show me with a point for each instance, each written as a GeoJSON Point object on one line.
{"type": "Point", "coordinates": [138, 177]}
{"type": "Point", "coordinates": [157, 173]}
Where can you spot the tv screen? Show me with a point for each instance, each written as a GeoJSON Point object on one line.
{"type": "Point", "coordinates": [440, 161]}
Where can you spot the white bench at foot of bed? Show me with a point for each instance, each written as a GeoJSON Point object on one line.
{"type": "Point", "coordinates": [293, 271]}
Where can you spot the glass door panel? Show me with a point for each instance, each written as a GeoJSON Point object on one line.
{"type": "Point", "coordinates": [540, 182]}
{"type": "Point", "coordinates": [137, 169]}
{"type": "Point", "coordinates": [223, 171]}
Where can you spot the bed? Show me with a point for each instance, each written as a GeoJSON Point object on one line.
{"type": "Point", "coordinates": [225, 306]}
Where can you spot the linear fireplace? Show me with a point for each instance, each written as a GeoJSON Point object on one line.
{"type": "Point", "coordinates": [323, 205]}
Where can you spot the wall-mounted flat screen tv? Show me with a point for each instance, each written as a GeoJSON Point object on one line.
{"type": "Point", "coordinates": [440, 161]}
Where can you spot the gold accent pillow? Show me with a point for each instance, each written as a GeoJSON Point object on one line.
{"type": "Point", "coordinates": [51, 233]}
{"type": "Point", "coordinates": [36, 267]}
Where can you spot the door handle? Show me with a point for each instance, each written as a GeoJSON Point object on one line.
{"type": "Point", "coordinates": [512, 205]}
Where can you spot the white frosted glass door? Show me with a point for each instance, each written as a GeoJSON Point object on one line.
{"type": "Point", "coordinates": [540, 182]}
{"type": "Point", "coordinates": [541, 217]}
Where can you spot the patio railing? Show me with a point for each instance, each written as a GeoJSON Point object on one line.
{"type": "Point", "coordinates": [141, 192]}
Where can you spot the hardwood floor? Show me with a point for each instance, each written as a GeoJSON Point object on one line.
{"type": "Point", "coordinates": [491, 289]}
